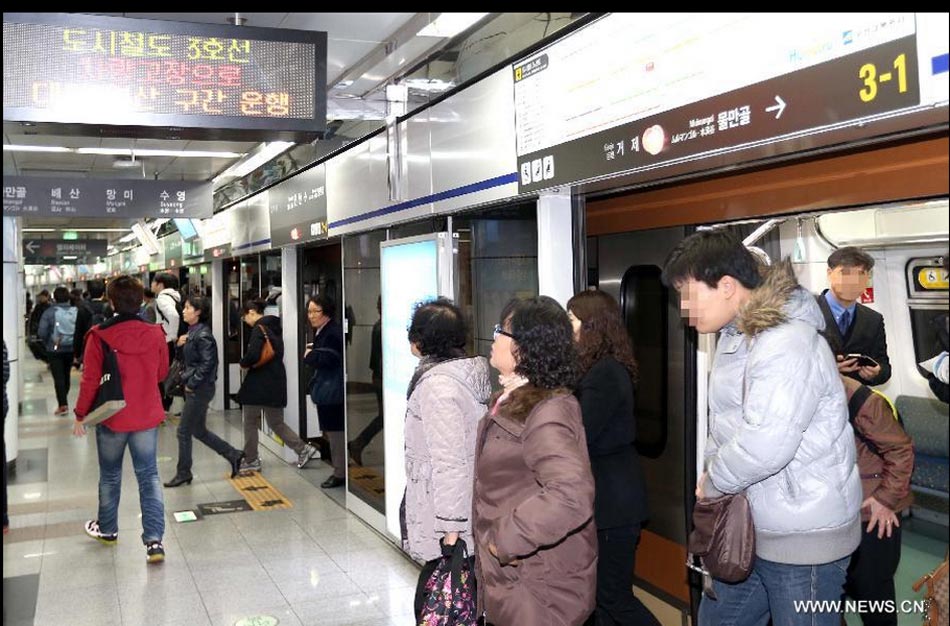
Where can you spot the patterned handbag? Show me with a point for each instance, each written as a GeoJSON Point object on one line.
{"type": "Point", "coordinates": [450, 590]}
{"type": "Point", "coordinates": [936, 595]}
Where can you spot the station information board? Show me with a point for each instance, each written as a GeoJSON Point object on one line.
{"type": "Point", "coordinates": [94, 70]}
{"type": "Point", "coordinates": [37, 196]}
{"type": "Point", "coordinates": [298, 207]}
{"type": "Point", "coordinates": [635, 91]}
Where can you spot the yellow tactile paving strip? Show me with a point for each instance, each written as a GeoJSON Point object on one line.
{"type": "Point", "coordinates": [260, 494]}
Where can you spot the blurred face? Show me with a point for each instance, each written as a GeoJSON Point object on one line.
{"type": "Point", "coordinates": [575, 324]}
{"type": "Point", "coordinates": [502, 350]}
{"type": "Point", "coordinates": [156, 287]}
{"type": "Point", "coordinates": [708, 309]}
{"type": "Point", "coordinates": [190, 314]}
{"type": "Point", "coordinates": [316, 316]}
{"type": "Point", "coordinates": [848, 283]}
{"type": "Point", "coordinates": [250, 318]}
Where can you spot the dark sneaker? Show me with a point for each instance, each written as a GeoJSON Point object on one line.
{"type": "Point", "coordinates": [154, 552]}
{"type": "Point", "coordinates": [92, 529]}
{"type": "Point", "coordinates": [251, 466]}
{"type": "Point", "coordinates": [305, 455]}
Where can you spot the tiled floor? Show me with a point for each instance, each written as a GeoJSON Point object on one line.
{"type": "Point", "coordinates": [312, 564]}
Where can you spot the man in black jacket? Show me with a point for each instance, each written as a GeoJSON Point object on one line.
{"type": "Point", "coordinates": [857, 329]}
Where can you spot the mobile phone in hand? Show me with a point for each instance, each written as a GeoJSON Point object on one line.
{"type": "Point", "coordinates": [862, 359]}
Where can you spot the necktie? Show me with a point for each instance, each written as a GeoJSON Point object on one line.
{"type": "Point", "coordinates": [844, 322]}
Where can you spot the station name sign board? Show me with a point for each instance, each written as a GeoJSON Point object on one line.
{"type": "Point", "coordinates": [199, 80]}
{"type": "Point", "coordinates": [36, 196]}
{"type": "Point", "coordinates": [60, 251]}
{"type": "Point", "coordinates": [298, 208]}
{"type": "Point", "coordinates": [688, 86]}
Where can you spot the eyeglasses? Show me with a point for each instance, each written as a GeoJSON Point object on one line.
{"type": "Point", "coordinates": [498, 330]}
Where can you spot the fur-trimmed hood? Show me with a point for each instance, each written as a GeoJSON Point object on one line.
{"type": "Point", "coordinates": [779, 298]}
{"type": "Point", "coordinates": [522, 401]}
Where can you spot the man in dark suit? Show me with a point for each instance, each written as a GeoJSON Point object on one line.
{"type": "Point", "coordinates": [856, 328]}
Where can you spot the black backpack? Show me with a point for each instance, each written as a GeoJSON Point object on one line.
{"type": "Point", "coordinates": [179, 308]}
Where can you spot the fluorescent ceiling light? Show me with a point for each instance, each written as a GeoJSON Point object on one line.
{"type": "Point", "coordinates": [69, 257]}
{"type": "Point", "coordinates": [10, 147]}
{"type": "Point", "coordinates": [259, 158]}
{"type": "Point", "coordinates": [450, 24]}
{"type": "Point", "coordinates": [96, 230]}
{"type": "Point", "coordinates": [208, 154]}
{"type": "Point", "coordinates": [38, 230]}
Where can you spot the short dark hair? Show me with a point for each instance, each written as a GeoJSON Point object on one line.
{"type": "Point", "coordinates": [96, 289]}
{"type": "Point", "coordinates": [75, 297]}
{"type": "Point", "coordinates": [254, 304]}
{"type": "Point", "coordinates": [543, 341]}
{"type": "Point", "coordinates": [438, 329]}
{"type": "Point", "coordinates": [202, 305]}
{"type": "Point", "coordinates": [327, 305]}
{"type": "Point", "coordinates": [707, 256]}
{"type": "Point", "coordinates": [61, 295]}
{"type": "Point", "coordinates": [125, 293]}
{"type": "Point", "coordinates": [148, 293]}
{"type": "Point", "coordinates": [167, 280]}
{"type": "Point", "coordinates": [850, 256]}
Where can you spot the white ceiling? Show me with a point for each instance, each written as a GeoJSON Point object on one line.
{"type": "Point", "coordinates": [356, 44]}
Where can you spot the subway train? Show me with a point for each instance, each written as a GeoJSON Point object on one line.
{"type": "Point", "coordinates": [499, 223]}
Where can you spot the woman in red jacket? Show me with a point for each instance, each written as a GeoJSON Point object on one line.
{"type": "Point", "coordinates": [143, 362]}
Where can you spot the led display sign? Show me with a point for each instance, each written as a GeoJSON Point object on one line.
{"type": "Point", "coordinates": [191, 80]}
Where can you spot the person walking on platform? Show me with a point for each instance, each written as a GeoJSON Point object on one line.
{"type": "Point", "coordinates": [199, 373]}
{"type": "Point", "coordinates": [535, 540]}
{"type": "Point", "coordinates": [57, 329]}
{"type": "Point", "coordinates": [606, 394]}
{"type": "Point", "coordinates": [325, 356]}
{"type": "Point", "coordinates": [142, 361]}
{"type": "Point", "coordinates": [265, 387]}
{"type": "Point", "coordinates": [6, 379]}
{"type": "Point", "coordinates": [447, 396]}
{"type": "Point", "coordinates": [168, 314]}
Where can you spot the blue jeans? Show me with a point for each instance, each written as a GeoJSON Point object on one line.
{"type": "Point", "coordinates": [194, 419]}
{"type": "Point", "coordinates": [773, 590]}
{"type": "Point", "coordinates": [143, 445]}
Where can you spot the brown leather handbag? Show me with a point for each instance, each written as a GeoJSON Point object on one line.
{"type": "Point", "coordinates": [723, 537]}
{"type": "Point", "coordinates": [936, 595]}
{"type": "Point", "coordinates": [267, 350]}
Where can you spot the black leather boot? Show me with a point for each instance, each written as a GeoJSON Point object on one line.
{"type": "Point", "coordinates": [179, 479]}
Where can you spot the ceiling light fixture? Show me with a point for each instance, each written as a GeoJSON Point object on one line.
{"type": "Point", "coordinates": [254, 161]}
{"type": "Point", "coordinates": [38, 230]}
{"type": "Point", "coordinates": [144, 152]}
{"type": "Point", "coordinates": [11, 147]}
{"type": "Point", "coordinates": [127, 152]}
{"type": "Point", "coordinates": [450, 24]}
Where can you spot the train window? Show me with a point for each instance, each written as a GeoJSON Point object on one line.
{"type": "Point", "coordinates": [927, 290]}
{"type": "Point", "coordinates": [644, 304]}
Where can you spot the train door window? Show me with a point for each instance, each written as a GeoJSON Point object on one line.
{"type": "Point", "coordinates": [927, 298]}
{"type": "Point", "coordinates": [364, 361]}
{"type": "Point", "coordinates": [497, 260]}
{"type": "Point", "coordinates": [644, 304]}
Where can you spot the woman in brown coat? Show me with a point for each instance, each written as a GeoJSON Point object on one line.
{"type": "Point", "coordinates": [536, 544]}
{"type": "Point", "coordinates": [886, 462]}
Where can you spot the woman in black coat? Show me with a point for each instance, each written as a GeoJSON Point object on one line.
{"type": "Point", "coordinates": [325, 356]}
{"type": "Point", "coordinates": [620, 504]}
{"type": "Point", "coordinates": [199, 353]}
{"type": "Point", "coordinates": [265, 388]}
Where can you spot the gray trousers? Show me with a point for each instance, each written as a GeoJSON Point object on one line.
{"type": "Point", "coordinates": [337, 441]}
{"type": "Point", "coordinates": [275, 419]}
